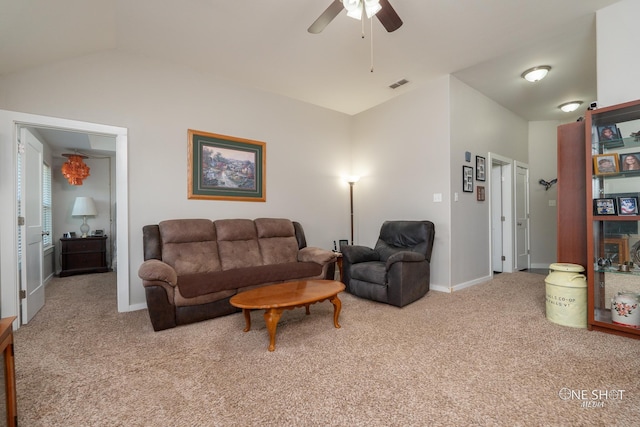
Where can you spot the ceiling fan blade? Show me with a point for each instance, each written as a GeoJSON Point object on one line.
{"type": "Point", "coordinates": [388, 16]}
{"type": "Point", "coordinates": [327, 16]}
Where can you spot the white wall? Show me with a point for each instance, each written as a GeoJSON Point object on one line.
{"type": "Point", "coordinates": [478, 125]}
{"type": "Point", "coordinates": [543, 164]}
{"type": "Point", "coordinates": [158, 102]}
{"type": "Point", "coordinates": [411, 148]}
{"type": "Point", "coordinates": [618, 61]}
{"type": "Point", "coordinates": [401, 151]}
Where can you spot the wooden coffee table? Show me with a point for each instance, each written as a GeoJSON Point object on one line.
{"type": "Point", "coordinates": [274, 299]}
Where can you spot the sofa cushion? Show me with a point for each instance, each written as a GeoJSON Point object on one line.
{"type": "Point", "coordinates": [277, 240]}
{"type": "Point", "coordinates": [237, 243]}
{"type": "Point", "coordinates": [193, 285]}
{"type": "Point", "coordinates": [189, 245]}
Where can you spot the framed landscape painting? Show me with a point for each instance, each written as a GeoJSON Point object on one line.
{"type": "Point", "coordinates": [224, 167]}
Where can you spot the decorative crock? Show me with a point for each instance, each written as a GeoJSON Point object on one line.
{"type": "Point", "coordinates": [566, 295]}
{"type": "Point", "coordinates": [625, 309]}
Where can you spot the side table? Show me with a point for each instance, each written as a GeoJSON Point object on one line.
{"type": "Point", "coordinates": [82, 255]}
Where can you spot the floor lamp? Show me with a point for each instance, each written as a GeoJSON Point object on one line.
{"type": "Point", "coordinates": [352, 180]}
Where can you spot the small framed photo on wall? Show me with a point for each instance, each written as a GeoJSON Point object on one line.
{"type": "Point", "coordinates": [467, 179]}
{"type": "Point", "coordinates": [480, 168]}
{"type": "Point", "coordinates": [480, 193]}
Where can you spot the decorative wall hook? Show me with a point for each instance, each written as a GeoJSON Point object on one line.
{"type": "Point", "coordinates": [547, 185]}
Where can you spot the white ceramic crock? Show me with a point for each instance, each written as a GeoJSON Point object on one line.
{"type": "Point", "coordinates": [625, 309]}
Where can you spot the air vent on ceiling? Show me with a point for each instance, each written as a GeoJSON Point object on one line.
{"type": "Point", "coordinates": [399, 83]}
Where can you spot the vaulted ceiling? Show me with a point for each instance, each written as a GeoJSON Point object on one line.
{"type": "Point", "coordinates": [265, 44]}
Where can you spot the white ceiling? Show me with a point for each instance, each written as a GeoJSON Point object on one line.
{"type": "Point", "coordinates": [265, 44]}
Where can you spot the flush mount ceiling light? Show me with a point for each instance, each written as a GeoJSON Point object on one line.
{"type": "Point", "coordinates": [536, 74]}
{"type": "Point", "coordinates": [568, 107]}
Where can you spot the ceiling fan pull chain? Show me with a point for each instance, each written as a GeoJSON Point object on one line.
{"type": "Point", "coordinates": [371, 37]}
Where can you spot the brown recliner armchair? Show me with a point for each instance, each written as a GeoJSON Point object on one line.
{"type": "Point", "coordinates": [397, 270]}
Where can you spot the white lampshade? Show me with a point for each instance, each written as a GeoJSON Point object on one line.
{"type": "Point", "coordinates": [355, 7]}
{"type": "Point", "coordinates": [352, 179]}
{"type": "Point", "coordinates": [84, 206]}
{"type": "Point", "coordinates": [372, 7]}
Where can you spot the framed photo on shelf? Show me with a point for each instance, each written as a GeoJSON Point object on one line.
{"type": "Point", "coordinates": [605, 206]}
{"type": "Point", "coordinates": [480, 193]}
{"type": "Point", "coordinates": [606, 164]}
{"type": "Point", "coordinates": [467, 179]}
{"type": "Point", "coordinates": [630, 162]}
{"type": "Point", "coordinates": [480, 168]}
{"type": "Point", "coordinates": [224, 167]}
{"type": "Point", "coordinates": [627, 206]}
{"type": "Point", "coordinates": [610, 136]}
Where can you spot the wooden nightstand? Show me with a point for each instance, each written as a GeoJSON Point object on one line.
{"type": "Point", "coordinates": [83, 255]}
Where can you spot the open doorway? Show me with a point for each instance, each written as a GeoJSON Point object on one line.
{"type": "Point", "coordinates": [10, 123]}
{"type": "Point", "coordinates": [509, 194]}
{"type": "Point", "coordinates": [501, 185]}
{"type": "Point", "coordinates": [99, 154]}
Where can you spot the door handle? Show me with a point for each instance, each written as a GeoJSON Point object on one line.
{"type": "Point", "coordinates": [45, 233]}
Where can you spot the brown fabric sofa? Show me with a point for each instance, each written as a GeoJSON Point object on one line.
{"type": "Point", "coordinates": [193, 267]}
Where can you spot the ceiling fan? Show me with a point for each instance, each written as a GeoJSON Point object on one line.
{"type": "Point", "coordinates": [355, 9]}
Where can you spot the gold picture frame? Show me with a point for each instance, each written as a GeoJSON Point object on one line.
{"type": "Point", "coordinates": [222, 167]}
{"type": "Point", "coordinates": [606, 164]}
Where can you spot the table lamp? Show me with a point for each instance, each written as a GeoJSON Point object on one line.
{"type": "Point", "coordinates": [84, 206]}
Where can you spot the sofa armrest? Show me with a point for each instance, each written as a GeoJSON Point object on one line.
{"type": "Point", "coordinates": [355, 254]}
{"type": "Point", "coordinates": [317, 255]}
{"type": "Point", "coordinates": [156, 270]}
{"type": "Point", "coordinates": [404, 256]}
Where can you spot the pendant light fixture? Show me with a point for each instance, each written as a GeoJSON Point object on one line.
{"type": "Point", "coordinates": [75, 170]}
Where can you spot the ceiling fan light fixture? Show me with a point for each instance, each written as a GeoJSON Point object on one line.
{"type": "Point", "coordinates": [568, 107]}
{"type": "Point", "coordinates": [356, 7]}
{"type": "Point", "coordinates": [371, 7]}
{"type": "Point", "coordinates": [536, 74]}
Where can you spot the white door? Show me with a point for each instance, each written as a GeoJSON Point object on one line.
{"type": "Point", "coordinates": [497, 219]}
{"type": "Point", "coordinates": [522, 216]}
{"type": "Point", "coordinates": [32, 288]}
{"type": "Point", "coordinates": [502, 214]}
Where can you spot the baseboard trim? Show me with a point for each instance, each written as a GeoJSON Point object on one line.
{"type": "Point", "coordinates": [538, 265]}
{"type": "Point", "coordinates": [471, 283]}
{"type": "Point", "coordinates": [136, 307]}
{"type": "Point", "coordinates": [440, 288]}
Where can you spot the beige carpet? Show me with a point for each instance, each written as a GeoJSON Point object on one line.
{"type": "Point", "coordinates": [481, 356]}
